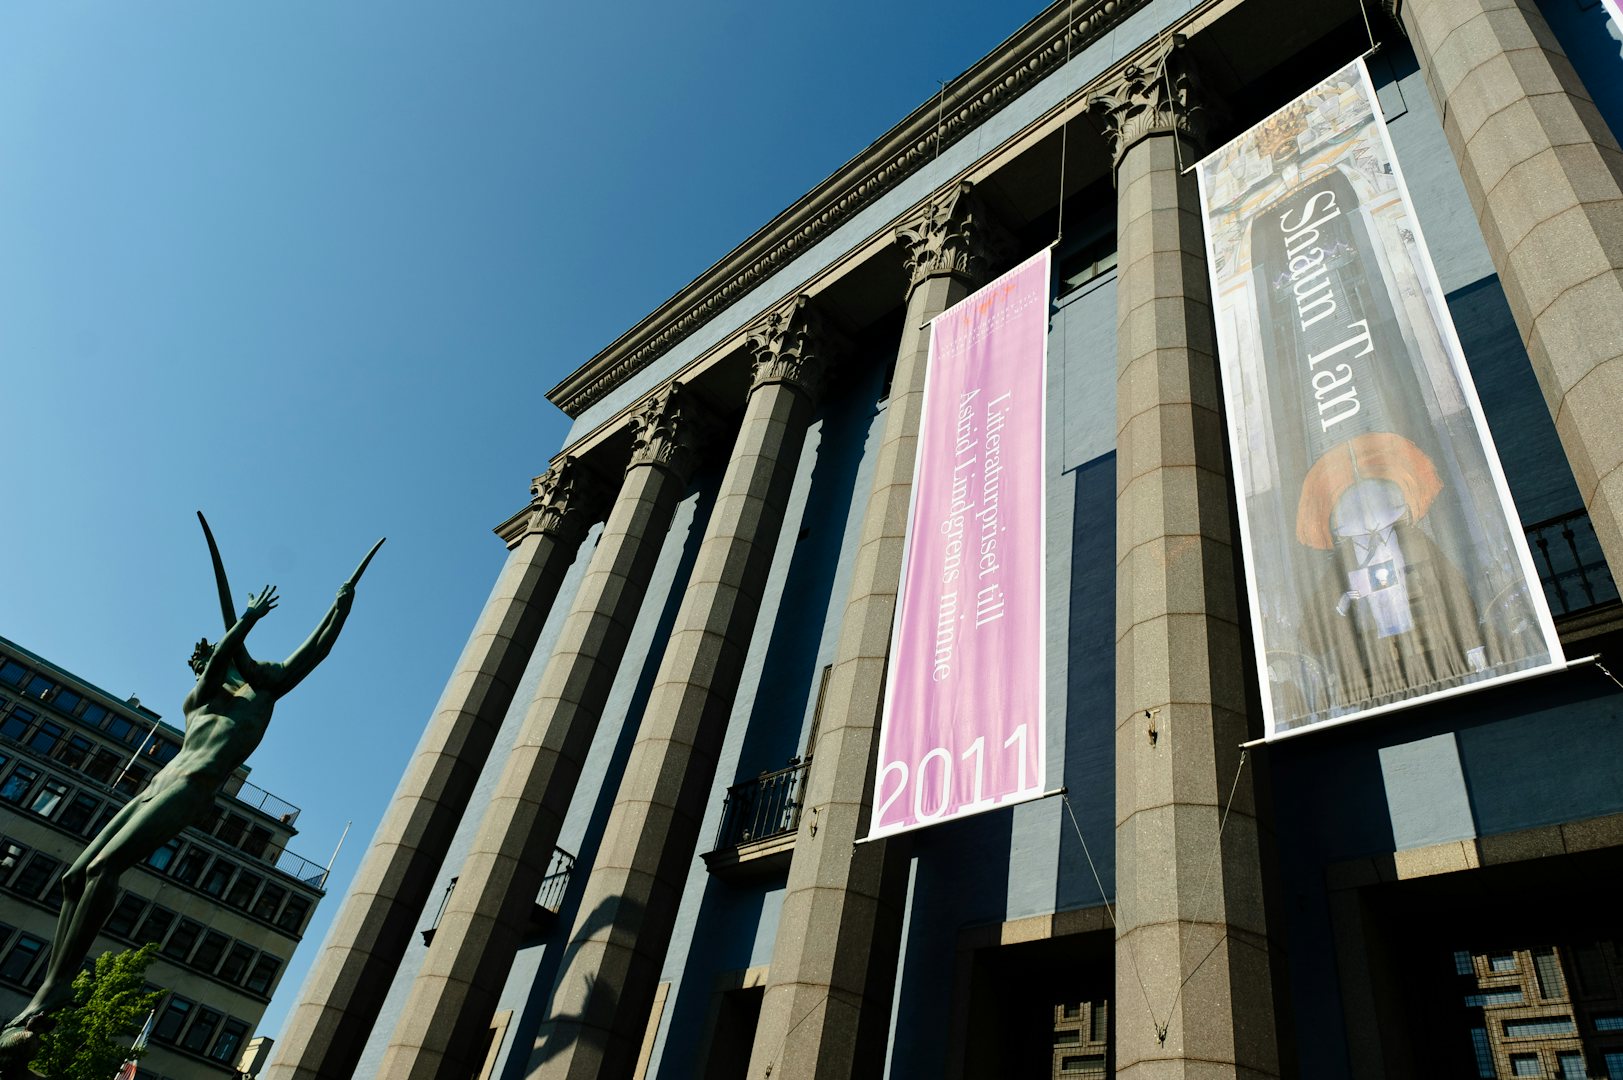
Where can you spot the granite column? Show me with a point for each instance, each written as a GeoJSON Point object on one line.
{"type": "Point", "coordinates": [600, 1008]}
{"type": "Point", "coordinates": [826, 1006]}
{"type": "Point", "coordinates": [442, 1029]}
{"type": "Point", "coordinates": [344, 992]}
{"type": "Point", "coordinates": [1545, 176]}
{"type": "Point", "coordinates": [1193, 989]}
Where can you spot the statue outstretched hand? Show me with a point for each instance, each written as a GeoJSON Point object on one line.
{"type": "Point", "coordinates": [261, 605]}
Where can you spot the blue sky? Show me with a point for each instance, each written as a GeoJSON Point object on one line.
{"type": "Point", "coordinates": [312, 267]}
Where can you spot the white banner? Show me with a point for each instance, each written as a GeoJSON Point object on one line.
{"type": "Point", "coordinates": [1385, 562]}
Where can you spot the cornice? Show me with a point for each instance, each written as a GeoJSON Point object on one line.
{"type": "Point", "coordinates": [1030, 55]}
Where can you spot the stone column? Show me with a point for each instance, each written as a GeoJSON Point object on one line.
{"type": "Point", "coordinates": [1193, 990]}
{"type": "Point", "coordinates": [1545, 176]}
{"type": "Point", "coordinates": [344, 992]}
{"type": "Point", "coordinates": [600, 1008]}
{"type": "Point", "coordinates": [827, 1000]}
{"type": "Point", "coordinates": [442, 1031]}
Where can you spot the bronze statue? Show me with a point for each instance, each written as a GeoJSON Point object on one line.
{"type": "Point", "coordinates": [227, 713]}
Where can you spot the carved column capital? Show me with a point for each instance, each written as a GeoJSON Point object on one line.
{"type": "Point", "coordinates": [1155, 93]}
{"type": "Point", "coordinates": [951, 234]}
{"type": "Point", "coordinates": [667, 430]}
{"type": "Point", "coordinates": [793, 344]}
{"type": "Point", "coordinates": [565, 500]}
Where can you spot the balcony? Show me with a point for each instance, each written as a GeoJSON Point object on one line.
{"type": "Point", "coordinates": [759, 820]}
{"type": "Point", "coordinates": [1570, 564]}
{"type": "Point", "coordinates": [548, 900]}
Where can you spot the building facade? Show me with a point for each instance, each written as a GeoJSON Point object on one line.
{"type": "Point", "coordinates": [632, 822]}
{"type": "Point", "coordinates": [226, 901]}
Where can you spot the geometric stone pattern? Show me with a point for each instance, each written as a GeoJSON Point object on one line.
{"type": "Point", "coordinates": [826, 1006]}
{"type": "Point", "coordinates": [443, 1029]}
{"type": "Point", "coordinates": [629, 909]}
{"type": "Point", "coordinates": [1188, 901]}
{"type": "Point", "coordinates": [344, 993]}
{"type": "Point", "coordinates": [1545, 176]}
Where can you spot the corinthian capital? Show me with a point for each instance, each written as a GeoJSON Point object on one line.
{"type": "Point", "coordinates": [564, 500]}
{"type": "Point", "coordinates": [793, 344]}
{"type": "Point", "coordinates": [666, 430]}
{"type": "Point", "coordinates": [951, 234]}
{"type": "Point", "coordinates": [1154, 93]}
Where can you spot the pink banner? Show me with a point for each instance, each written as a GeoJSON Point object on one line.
{"type": "Point", "coordinates": [963, 724]}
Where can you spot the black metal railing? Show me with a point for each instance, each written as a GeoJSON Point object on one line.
{"type": "Point", "coordinates": [1570, 564]}
{"type": "Point", "coordinates": [764, 807]}
{"type": "Point", "coordinates": [556, 882]}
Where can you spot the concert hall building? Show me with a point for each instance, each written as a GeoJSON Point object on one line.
{"type": "Point", "coordinates": [633, 840]}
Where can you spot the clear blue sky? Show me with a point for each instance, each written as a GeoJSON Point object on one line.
{"type": "Point", "coordinates": [311, 267]}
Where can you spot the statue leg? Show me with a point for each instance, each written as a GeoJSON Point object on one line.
{"type": "Point", "coordinates": [90, 885]}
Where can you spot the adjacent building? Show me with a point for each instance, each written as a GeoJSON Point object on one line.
{"type": "Point", "coordinates": [632, 823]}
{"type": "Point", "coordinates": [226, 901]}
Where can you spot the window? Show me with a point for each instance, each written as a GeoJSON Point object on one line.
{"type": "Point", "coordinates": [119, 727]}
{"type": "Point", "coordinates": [174, 1017]}
{"type": "Point", "coordinates": [36, 875]}
{"type": "Point", "coordinates": [236, 962]}
{"type": "Point", "coordinates": [156, 925]}
{"type": "Point", "coordinates": [292, 917]}
{"type": "Point", "coordinates": [207, 956]}
{"type": "Point", "coordinates": [164, 751]}
{"type": "Point", "coordinates": [1501, 962]}
{"type": "Point", "coordinates": [1525, 1065]}
{"type": "Point", "coordinates": [1613, 1022]}
{"type": "Point", "coordinates": [1462, 963]}
{"type": "Point", "coordinates": [219, 875]}
{"type": "Point", "coordinates": [1592, 973]}
{"type": "Point", "coordinates": [79, 812]}
{"type": "Point", "coordinates": [233, 829]}
{"type": "Point", "coordinates": [1067, 1036]}
{"type": "Point", "coordinates": [270, 898]}
{"type": "Point", "coordinates": [242, 890]}
{"type": "Point", "coordinates": [132, 779]}
{"type": "Point", "coordinates": [15, 789]}
{"type": "Point", "coordinates": [107, 814]}
{"type": "Point", "coordinates": [49, 798]}
{"type": "Point", "coordinates": [1090, 1066]}
{"type": "Point", "coordinates": [1569, 1065]}
{"type": "Point", "coordinates": [258, 837]}
{"type": "Point", "coordinates": [39, 686]}
{"type": "Point", "coordinates": [104, 766]}
{"type": "Point", "coordinates": [13, 673]}
{"type": "Point", "coordinates": [1101, 1021]}
{"type": "Point", "coordinates": [121, 923]}
{"type": "Point", "coordinates": [16, 725]}
{"type": "Point", "coordinates": [11, 857]}
{"type": "Point", "coordinates": [231, 1037]}
{"type": "Point", "coordinates": [159, 860]}
{"type": "Point", "coordinates": [14, 968]}
{"type": "Point", "coordinates": [1543, 1025]}
{"type": "Point", "coordinates": [1484, 1053]}
{"type": "Point", "coordinates": [46, 738]}
{"type": "Point", "coordinates": [263, 974]}
{"type": "Point", "coordinates": [1548, 970]}
{"type": "Point", "coordinates": [181, 941]}
{"type": "Point", "coordinates": [75, 752]}
{"type": "Point", "coordinates": [1493, 997]}
{"type": "Point", "coordinates": [66, 700]}
{"type": "Point", "coordinates": [202, 1030]}
{"type": "Point", "coordinates": [94, 714]}
{"type": "Point", "coordinates": [190, 865]}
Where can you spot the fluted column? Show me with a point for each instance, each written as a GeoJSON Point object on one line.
{"type": "Point", "coordinates": [442, 1031]}
{"type": "Point", "coordinates": [1545, 177]}
{"type": "Point", "coordinates": [827, 1001]}
{"type": "Point", "coordinates": [344, 992]}
{"type": "Point", "coordinates": [600, 1008]}
{"type": "Point", "coordinates": [1193, 991]}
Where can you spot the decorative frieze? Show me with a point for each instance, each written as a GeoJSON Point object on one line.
{"type": "Point", "coordinates": [666, 430]}
{"type": "Point", "coordinates": [951, 234]}
{"type": "Point", "coordinates": [793, 344]}
{"type": "Point", "coordinates": [1155, 93]}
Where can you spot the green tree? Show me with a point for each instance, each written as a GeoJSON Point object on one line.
{"type": "Point", "coordinates": [109, 1005]}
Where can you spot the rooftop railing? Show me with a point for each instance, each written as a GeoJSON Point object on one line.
{"type": "Point", "coordinates": [1570, 564]}
{"type": "Point", "coordinates": [764, 807]}
{"type": "Point", "coordinates": [264, 802]}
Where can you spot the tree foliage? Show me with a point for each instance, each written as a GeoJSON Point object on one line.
{"type": "Point", "coordinates": [91, 1037]}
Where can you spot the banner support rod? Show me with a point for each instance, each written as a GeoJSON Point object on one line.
{"type": "Point", "coordinates": [1049, 794]}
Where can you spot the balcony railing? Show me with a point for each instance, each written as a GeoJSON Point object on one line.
{"type": "Point", "coordinates": [262, 800]}
{"type": "Point", "coordinates": [1570, 564]}
{"type": "Point", "coordinates": [764, 807]}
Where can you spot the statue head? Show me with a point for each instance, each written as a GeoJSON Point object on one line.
{"type": "Point", "coordinates": [200, 655]}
